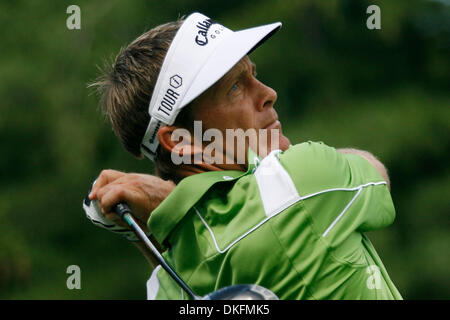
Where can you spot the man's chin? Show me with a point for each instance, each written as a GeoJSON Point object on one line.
{"type": "Point", "coordinates": [284, 143]}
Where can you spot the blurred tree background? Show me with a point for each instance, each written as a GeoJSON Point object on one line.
{"type": "Point", "coordinates": [386, 91]}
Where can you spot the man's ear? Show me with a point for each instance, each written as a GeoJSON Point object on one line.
{"type": "Point", "coordinates": [175, 139]}
{"type": "Point", "coordinates": [165, 137]}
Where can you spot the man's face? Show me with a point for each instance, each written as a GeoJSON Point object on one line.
{"type": "Point", "coordinates": [239, 100]}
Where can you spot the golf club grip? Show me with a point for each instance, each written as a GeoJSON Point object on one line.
{"type": "Point", "coordinates": [121, 208]}
{"type": "Point", "coordinates": [124, 212]}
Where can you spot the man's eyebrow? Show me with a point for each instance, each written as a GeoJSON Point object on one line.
{"type": "Point", "coordinates": [242, 71]}
{"type": "Point", "coordinates": [225, 81]}
{"type": "Point", "coordinates": [232, 76]}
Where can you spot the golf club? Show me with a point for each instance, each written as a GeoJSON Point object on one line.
{"type": "Point", "coordinates": [234, 292]}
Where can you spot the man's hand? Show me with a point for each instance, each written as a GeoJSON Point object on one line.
{"type": "Point", "coordinates": [142, 192]}
{"type": "Point", "coordinates": [373, 160]}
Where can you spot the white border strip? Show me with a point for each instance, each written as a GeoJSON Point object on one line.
{"type": "Point", "coordinates": [341, 214]}
{"type": "Point", "coordinates": [276, 187]}
{"type": "Point", "coordinates": [153, 284]}
{"type": "Point", "coordinates": [343, 189]}
{"type": "Point", "coordinates": [287, 205]}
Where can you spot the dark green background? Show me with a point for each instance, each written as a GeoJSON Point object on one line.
{"type": "Point", "coordinates": [386, 91]}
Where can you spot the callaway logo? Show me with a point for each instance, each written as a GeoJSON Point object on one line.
{"type": "Point", "coordinates": [202, 34]}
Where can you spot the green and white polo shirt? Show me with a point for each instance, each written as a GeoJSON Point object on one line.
{"type": "Point", "coordinates": [293, 223]}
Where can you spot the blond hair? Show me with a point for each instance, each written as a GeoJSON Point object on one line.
{"type": "Point", "coordinates": [126, 87]}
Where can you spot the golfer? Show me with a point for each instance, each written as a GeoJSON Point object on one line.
{"type": "Point", "coordinates": [290, 218]}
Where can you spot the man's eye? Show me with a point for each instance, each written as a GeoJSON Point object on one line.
{"type": "Point", "coordinates": [234, 87]}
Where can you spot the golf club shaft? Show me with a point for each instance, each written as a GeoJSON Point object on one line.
{"type": "Point", "coordinates": [124, 212]}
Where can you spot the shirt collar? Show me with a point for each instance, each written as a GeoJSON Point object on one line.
{"type": "Point", "coordinates": [187, 193]}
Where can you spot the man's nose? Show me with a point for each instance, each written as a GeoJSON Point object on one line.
{"type": "Point", "coordinates": [266, 96]}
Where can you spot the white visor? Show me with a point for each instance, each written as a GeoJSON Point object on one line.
{"type": "Point", "coordinates": [201, 53]}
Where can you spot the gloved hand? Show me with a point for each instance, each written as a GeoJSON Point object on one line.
{"type": "Point", "coordinates": [94, 214]}
{"type": "Point", "coordinates": [142, 192]}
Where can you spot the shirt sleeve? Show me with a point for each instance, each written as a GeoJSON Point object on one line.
{"type": "Point", "coordinates": [342, 193]}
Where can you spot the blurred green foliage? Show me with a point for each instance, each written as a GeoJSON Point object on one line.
{"type": "Point", "coordinates": [386, 91]}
